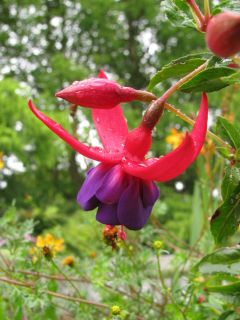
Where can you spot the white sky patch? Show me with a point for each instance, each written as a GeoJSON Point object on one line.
{"type": "Point", "coordinates": [18, 126]}
{"type": "Point", "coordinates": [3, 184]}
{"type": "Point", "coordinates": [29, 147]}
{"type": "Point", "coordinates": [179, 185]}
{"type": "Point", "coordinates": [56, 21]}
{"type": "Point", "coordinates": [212, 114]}
{"type": "Point", "coordinates": [148, 41]}
{"type": "Point", "coordinates": [14, 164]}
{"type": "Point", "coordinates": [5, 69]}
{"type": "Point", "coordinates": [7, 172]}
{"type": "Point", "coordinates": [81, 160]}
{"type": "Point", "coordinates": [215, 193]}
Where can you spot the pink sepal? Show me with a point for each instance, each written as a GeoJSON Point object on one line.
{"type": "Point", "coordinates": [174, 163]}
{"type": "Point", "coordinates": [93, 153]}
{"type": "Point", "coordinates": [111, 125]}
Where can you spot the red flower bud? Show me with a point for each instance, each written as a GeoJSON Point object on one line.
{"type": "Point", "coordinates": [101, 93]}
{"type": "Point", "coordinates": [223, 34]}
{"type": "Point", "coordinates": [233, 65]}
{"type": "Point", "coordinates": [201, 299]}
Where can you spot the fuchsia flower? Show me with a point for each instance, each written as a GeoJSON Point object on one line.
{"type": "Point", "coordinates": [122, 186]}
{"type": "Point", "coordinates": [223, 34]}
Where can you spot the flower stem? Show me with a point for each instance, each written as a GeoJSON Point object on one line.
{"type": "Point", "coordinates": [179, 83]}
{"type": "Point", "coordinates": [161, 278]}
{"type": "Point", "coordinates": [66, 297]}
{"type": "Point", "coordinates": [207, 11]}
{"type": "Point", "coordinates": [167, 294]}
{"type": "Point", "coordinates": [155, 110]}
{"type": "Point", "coordinates": [65, 276]}
{"type": "Point", "coordinates": [52, 276]}
{"type": "Point", "coordinates": [197, 12]}
{"type": "Point", "coordinates": [192, 122]}
{"type": "Point", "coordinates": [236, 59]}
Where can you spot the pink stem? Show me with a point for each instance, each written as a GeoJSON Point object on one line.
{"type": "Point", "coordinates": [197, 12]}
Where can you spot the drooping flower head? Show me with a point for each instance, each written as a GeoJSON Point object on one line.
{"type": "Point", "coordinates": [122, 186]}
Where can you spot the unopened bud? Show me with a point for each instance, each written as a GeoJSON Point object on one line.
{"type": "Point", "coordinates": [157, 244]}
{"type": "Point", "coordinates": [153, 114]}
{"type": "Point", "coordinates": [101, 93]}
{"type": "Point", "coordinates": [200, 299]}
{"type": "Point", "coordinates": [122, 234]}
{"type": "Point", "coordinates": [223, 34]}
{"type": "Point", "coordinates": [115, 310]}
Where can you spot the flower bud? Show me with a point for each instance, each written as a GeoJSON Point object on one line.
{"type": "Point", "coordinates": [101, 93]}
{"type": "Point", "coordinates": [122, 234]}
{"type": "Point", "coordinates": [201, 299]}
{"type": "Point", "coordinates": [110, 236]}
{"type": "Point", "coordinates": [157, 244]}
{"type": "Point", "coordinates": [115, 310]}
{"type": "Point", "coordinates": [223, 34]}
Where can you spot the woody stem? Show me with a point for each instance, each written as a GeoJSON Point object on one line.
{"type": "Point", "coordinates": [52, 293]}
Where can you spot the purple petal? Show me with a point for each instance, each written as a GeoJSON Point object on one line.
{"type": "Point", "coordinates": [107, 214]}
{"type": "Point", "coordinates": [113, 185]}
{"type": "Point", "coordinates": [131, 212]}
{"type": "Point", "coordinates": [150, 193]}
{"type": "Point", "coordinates": [86, 195]}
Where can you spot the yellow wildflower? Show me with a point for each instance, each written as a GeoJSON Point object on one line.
{"type": "Point", "coordinates": [93, 255]}
{"type": "Point", "coordinates": [229, 116]}
{"type": "Point", "coordinates": [199, 279]}
{"type": "Point", "coordinates": [175, 138]}
{"type": "Point", "coordinates": [1, 161]}
{"type": "Point", "coordinates": [68, 261]}
{"type": "Point", "coordinates": [208, 148]}
{"type": "Point", "coordinates": [34, 253]}
{"type": "Point", "coordinates": [49, 245]}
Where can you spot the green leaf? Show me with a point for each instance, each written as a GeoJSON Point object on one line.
{"type": "Point", "coordinates": [222, 261]}
{"type": "Point", "coordinates": [232, 289]}
{"type": "Point", "coordinates": [230, 181]}
{"type": "Point", "coordinates": [226, 153]}
{"type": "Point", "coordinates": [237, 154]}
{"type": "Point", "coordinates": [233, 5]}
{"type": "Point", "coordinates": [225, 315]}
{"type": "Point", "coordinates": [178, 13]}
{"type": "Point", "coordinates": [2, 309]}
{"type": "Point", "coordinates": [228, 132]}
{"type": "Point", "coordinates": [178, 68]}
{"type": "Point", "coordinates": [225, 221]}
{"type": "Point", "coordinates": [211, 79]}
